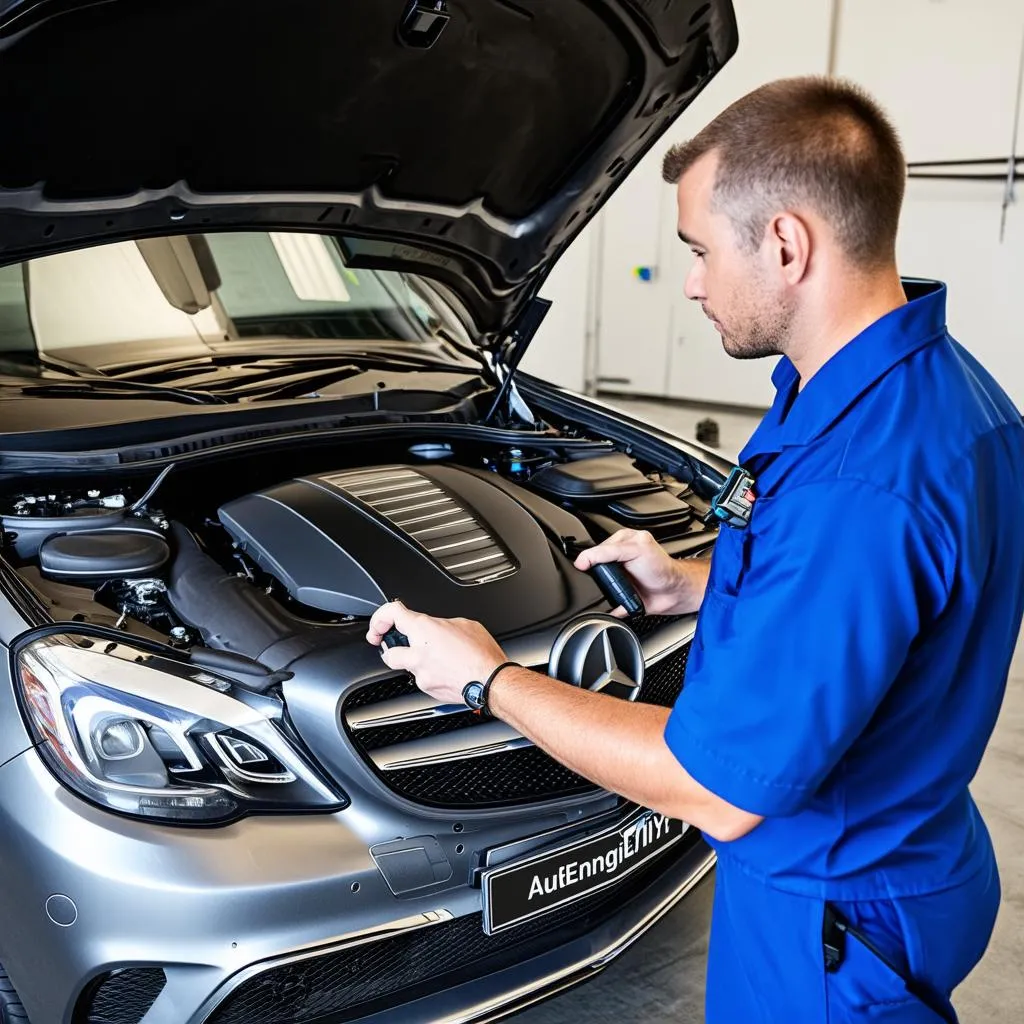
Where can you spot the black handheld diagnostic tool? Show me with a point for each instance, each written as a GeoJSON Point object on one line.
{"type": "Point", "coordinates": [611, 578]}
{"type": "Point", "coordinates": [393, 638]}
{"type": "Point", "coordinates": [616, 585]}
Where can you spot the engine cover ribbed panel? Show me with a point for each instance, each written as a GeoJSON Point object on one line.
{"type": "Point", "coordinates": [346, 541]}
{"type": "Point", "coordinates": [439, 522]}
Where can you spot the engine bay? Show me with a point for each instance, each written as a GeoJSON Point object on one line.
{"type": "Point", "coordinates": [267, 557]}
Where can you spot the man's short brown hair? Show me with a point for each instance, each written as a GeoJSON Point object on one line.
{"type": "Point", "coordinates": [812, 142]}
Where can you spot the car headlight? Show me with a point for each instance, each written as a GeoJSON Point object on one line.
{"type": "Point", "coordinates": [155, 738]}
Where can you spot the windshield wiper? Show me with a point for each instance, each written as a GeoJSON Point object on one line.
{"type": "Point", "coordinates": [109, 388]}
{"type": "Point", "coordinates": [345, 361]}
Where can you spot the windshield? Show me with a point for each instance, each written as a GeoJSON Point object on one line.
{"type": "Point", "coordinates": [213, 287]}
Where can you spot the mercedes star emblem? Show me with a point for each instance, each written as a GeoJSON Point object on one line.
{"type": "Point", "coordinates": [600, 653]}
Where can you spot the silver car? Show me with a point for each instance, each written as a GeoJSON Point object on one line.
{"type": "Point", "coordinates": [266, 275]}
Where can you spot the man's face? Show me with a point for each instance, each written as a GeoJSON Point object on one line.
{"type": "Point", "coordinates": [733, 285]}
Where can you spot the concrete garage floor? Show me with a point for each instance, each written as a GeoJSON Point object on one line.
{"type": "Point", "coordinates": [661, 979]}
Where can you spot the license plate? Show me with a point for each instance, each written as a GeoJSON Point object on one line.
{"type": "Point", "coordinates": [536, 885]}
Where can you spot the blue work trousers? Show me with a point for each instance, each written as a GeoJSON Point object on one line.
{"type": "Point", "coordinates": [766, 963]}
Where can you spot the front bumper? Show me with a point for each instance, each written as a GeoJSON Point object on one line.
{"type": "Point", "coordinates": [245, 919]}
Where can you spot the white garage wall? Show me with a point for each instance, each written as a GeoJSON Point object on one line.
{"type": "Point", "coordinates": [558, 351]}
{"type": "Point", "coordinates": [945, 70]}
{"type": "Point", "coordinates": [785, 37]}
{"type": "Point", "coordinates": [650, 340]}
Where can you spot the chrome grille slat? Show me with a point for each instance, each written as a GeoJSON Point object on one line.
{"type": "Point", "coordinates": [480, 741]}
{"type": "Point", "coordinates": [413, 707]}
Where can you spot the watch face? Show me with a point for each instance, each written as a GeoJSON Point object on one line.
{"type": "Point", "coordinates": [474, 694]}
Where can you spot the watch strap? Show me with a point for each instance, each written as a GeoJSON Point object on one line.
{"type": "Point", "coordinates": [484, 708]}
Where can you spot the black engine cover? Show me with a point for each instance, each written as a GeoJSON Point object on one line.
{"type": "Point", "coordinates": [443, 539]}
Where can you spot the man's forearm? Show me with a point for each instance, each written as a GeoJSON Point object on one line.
{"type": "Point", "coordinates": [616, 744]}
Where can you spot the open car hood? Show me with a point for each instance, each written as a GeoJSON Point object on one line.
{"type": "Point", "coordinates": [468, 141]}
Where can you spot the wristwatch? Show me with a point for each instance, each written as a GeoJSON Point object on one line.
{"type": "Point", "coordinates": [474, 693]}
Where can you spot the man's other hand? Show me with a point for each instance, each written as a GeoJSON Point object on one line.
{"type": "Point", "coordinates": [666, 586]}
{"type": "Point", "coordinates": [443, 654]}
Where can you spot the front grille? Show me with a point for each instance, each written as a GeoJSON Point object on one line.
{"type": "Point", "coordinates": [644, 625]}
{"type": "Point", "coordinates": [513, 776]}
{"type": "Point", "coordinates": [495, 780]}
{"type": "Point", "coordinates": [396, 686]}
{"type": "Point", "coordinates": [664, 681]}
{"type": "Point", "coordinates": [389, 735]}
{"type": "Point", "coordinates": [120, 997]}
{"type": "Point", "coordinates": [356, 982]}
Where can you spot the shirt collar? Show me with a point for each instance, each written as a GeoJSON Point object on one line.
{"type": "Point", "coordinates": [850, 372]}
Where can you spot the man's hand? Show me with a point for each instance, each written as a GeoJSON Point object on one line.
{"type": "Point", "coordinates": [443, 654]}
{"type": "Point", "coordinates": [666, 586]}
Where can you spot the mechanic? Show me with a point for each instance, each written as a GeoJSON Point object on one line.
{"type": "Point", "coordinates": [855, 637]}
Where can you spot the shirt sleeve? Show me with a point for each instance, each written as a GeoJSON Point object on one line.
{"type": "Point", "coordinates": [800, 639]}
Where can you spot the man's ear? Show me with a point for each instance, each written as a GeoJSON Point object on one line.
{"type": "Point", "coordinates": [789, 240]}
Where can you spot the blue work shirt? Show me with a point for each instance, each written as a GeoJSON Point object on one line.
{"type": "Point", "coordinates": [853, 646]}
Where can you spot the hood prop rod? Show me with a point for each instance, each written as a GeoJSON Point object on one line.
{"type": "Point", "coordinates": [526, 326]}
